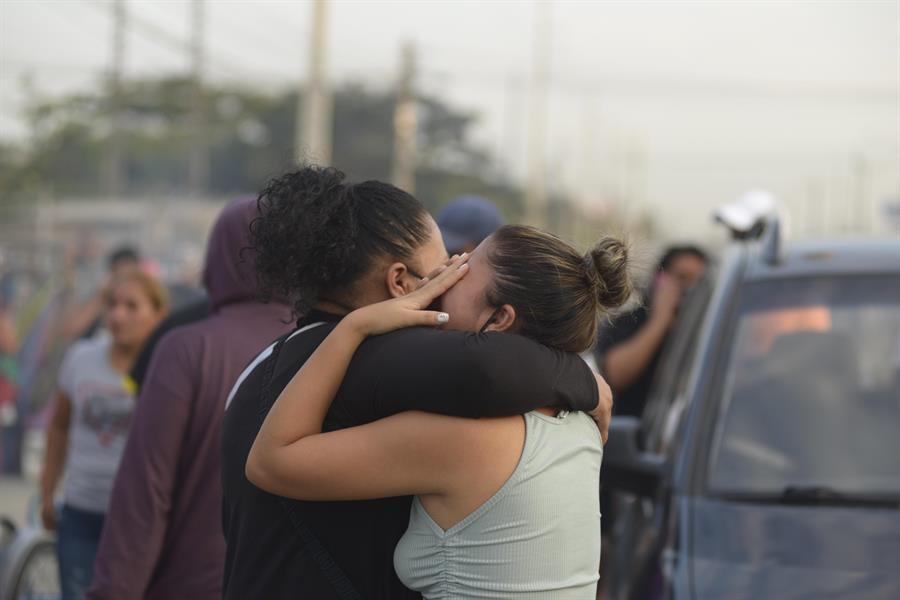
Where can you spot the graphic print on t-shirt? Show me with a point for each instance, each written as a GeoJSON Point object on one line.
{"type": "Point", "coordinates": [105, 410]}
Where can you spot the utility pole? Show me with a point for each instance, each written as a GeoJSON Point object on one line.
{"type": "Point", "coordinates": [313, 133]}
{"type": "Point", "coordinates": [405, 123]}
{"type": "Point", "coordinates": [587, 196]}
{"type": "Point", "coordinates": [198, 161]}
{"type": "Point", "coordinates": [635, 180]}
{"type": "Point", "coordinates": [536, 191]}
{"type": "Point", "coordinates": [113, 166]}
{"type": "Point", "coordinates": [621, 160]}
{"type": "Point", "coordinates": [510, 139]}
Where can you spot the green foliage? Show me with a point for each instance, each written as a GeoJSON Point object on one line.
{"type": "Point", "coordinates": [250, 138]}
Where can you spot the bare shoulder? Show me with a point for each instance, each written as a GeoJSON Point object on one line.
{"type": "Point", "coordinates": [477, 457]}
{"type": "Point", "coordinates": [488, 449]}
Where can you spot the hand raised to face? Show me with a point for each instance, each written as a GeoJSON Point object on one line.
{"type": "Point", "coordinates": [411, 310]}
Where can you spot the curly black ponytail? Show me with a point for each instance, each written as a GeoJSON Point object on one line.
{"type": "Point", "coordinates": [316, 234]}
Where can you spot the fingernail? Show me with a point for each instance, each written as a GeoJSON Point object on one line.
{"type": "Point", "coordinates": [443, 317]}
{"type": "Point", "coordinates": [464, 254]}
{"type": "Point", "coordinates": [463, 266]}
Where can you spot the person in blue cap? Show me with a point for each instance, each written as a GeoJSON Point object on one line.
{"type": "Point", "coordinates": [466, 222]}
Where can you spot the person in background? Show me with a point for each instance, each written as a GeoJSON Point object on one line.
{"type": "Point", "coordinates": [168, 494]}
{"type": "Point", "coordinates": [84, 320]}
{"type": "Point", "coordinates": [184, 315]}
{"type": "Point", "coordinates": [466, 222]}
{"type": "Point", "coordinates": [10, 422]}
{"type": "Point", "coordinates": [628, 348]}
{"type": "Point", "coordinates": [190, 303]}
{"type": "Point", "coordinates": [91, 418]}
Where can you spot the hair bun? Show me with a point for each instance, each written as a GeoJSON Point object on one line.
{"type": "Point", "coordinates": [607, 263]}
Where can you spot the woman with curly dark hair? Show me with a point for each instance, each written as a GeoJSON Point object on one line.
{"type": "Point", "coordinates": [318, 239]}
{"type": "Point", "coordinates": [331, 247]}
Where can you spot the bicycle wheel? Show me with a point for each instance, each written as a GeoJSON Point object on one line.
{"type": "Point", "coordinates": [39, 576]}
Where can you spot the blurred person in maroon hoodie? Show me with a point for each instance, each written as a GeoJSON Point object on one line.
{"type": "Point", "coordinates": [163, 534]}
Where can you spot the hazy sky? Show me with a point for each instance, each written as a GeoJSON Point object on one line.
{"type": "Point", "coordinates": [675, 106]}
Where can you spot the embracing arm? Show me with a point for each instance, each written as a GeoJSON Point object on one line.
{"type": "Point", "coordinates": [400, 455]}
{"type": "Point", "coordinates": [292, 457]}
{"type": "Point", "coordinates": [472, 375]}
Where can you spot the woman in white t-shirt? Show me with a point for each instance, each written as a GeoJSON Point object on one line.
{"type": "Point", "coordinates": [90, 423]}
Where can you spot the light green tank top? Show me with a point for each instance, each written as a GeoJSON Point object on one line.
{"type": "Point", "coordinates": [537, 537]}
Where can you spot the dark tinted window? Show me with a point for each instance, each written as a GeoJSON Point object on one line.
{"type": "Point", "coordinates": [668, 396]}
{"type": "Point", "coordinates": [812, 392]}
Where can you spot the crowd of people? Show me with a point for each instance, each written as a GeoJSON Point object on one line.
{"type": "Point", "coordinates": [366, 402]}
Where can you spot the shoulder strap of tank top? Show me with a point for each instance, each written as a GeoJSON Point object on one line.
{"type": "Point", "coordinates": [317, 552]}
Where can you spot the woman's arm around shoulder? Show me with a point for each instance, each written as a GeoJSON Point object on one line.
{"type": "Point", "coordinates": [409, 453]}
{"type": "Point", "coordinates": [291, 432]}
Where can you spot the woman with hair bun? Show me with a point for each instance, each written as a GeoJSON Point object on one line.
{"type": "Point", "coordinates": [505, 507]}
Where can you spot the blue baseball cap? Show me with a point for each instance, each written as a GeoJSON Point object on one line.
{"type": "Point", "coordinates": [466, 221]}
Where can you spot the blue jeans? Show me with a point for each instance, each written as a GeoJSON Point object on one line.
{"type": "Point", "coordinates": [77, 540]}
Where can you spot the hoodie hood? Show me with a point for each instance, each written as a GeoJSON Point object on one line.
{"type": "Point", "coordinates": [229, 276]}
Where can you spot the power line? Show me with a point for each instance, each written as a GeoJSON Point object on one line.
{"type": "Point", "coordinates": [14, 68]}
{"type": "Point", "coordinates": [221, 61]}
{"type": "Point", "coordinates": [245, 33]}
{"type": "Point", "coordinates": [624, 86]}
{"type": "Point", "coordinates": [148, 29]}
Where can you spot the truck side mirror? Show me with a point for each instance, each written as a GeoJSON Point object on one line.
{"type": "Point", "coordinates": [625, 466]}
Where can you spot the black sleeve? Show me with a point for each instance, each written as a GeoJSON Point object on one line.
{"type": "Point", "coordinates": [470, 375]}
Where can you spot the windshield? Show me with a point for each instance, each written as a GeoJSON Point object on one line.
{"type": "Point", "coordinates": [812, 393]}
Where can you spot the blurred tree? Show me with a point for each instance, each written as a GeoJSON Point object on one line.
{"type": "Point", "coordinates": [251, 138]}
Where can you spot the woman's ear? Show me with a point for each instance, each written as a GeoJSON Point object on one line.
{"type": "Point", "coordinates": [399, 280]}
{"type": "Point", "coordinates": [504, 319]}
